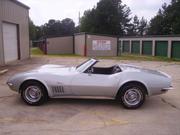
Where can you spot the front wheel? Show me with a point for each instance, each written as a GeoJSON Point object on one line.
{"type": "Point", "coordinates": [132, 96]}
{"type": "Point", "coordinates": [33, 93]}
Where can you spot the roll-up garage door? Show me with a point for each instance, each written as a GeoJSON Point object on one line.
{"type": "Point", "coordinates": [135, 47]}
{"type": "Point", "coordinates": [161, 48]}
{"type": "Point", "coordinates": [147, 48]}
{"type": "Point", "coordinates": [176, 49]}
{"type": "Point", "coordinates": [126, 46]}
{"type": "Point", "coordinates": [10, 42]}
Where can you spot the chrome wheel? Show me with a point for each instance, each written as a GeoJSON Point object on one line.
{"type": "Point", "coordinates": [133, 97]}
{"type": "Point", "coordinates": [33, 94]}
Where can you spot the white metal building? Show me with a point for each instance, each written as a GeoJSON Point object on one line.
{"type": "Point", "coordinates": [14, 31]}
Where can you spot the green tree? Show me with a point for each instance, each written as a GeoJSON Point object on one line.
{"type": "Point", "coordinates": [133, 27]}
{"type": "Point", "coordinates": [32, 30]}
{"type": "Point", "coordinates": [88, 24]}
{"type": "Point", "coordinates": [108, 17]}
{"type": "Point", "coordinates": [137, 27]}
{"type": "Point", "coordinates": [159, 24]}
{"type": "Point", "coordinates": [58, 28]}
{"type": "Point", "coordinates": [142, 28]}
{"type": "Point", "coordinates": [167, 21]}
{"type": "Point", "coordinates": [68, 26]}
{"type": "Point", "coordinates": [52, 28]}
{"type": "Point", "coordinates": [39, 32]}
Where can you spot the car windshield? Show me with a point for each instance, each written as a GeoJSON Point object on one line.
{"type": "Point", "coordinates": [82, 63]}
{"type": "Point", "coordinates": [83, 66]}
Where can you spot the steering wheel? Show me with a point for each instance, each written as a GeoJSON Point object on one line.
{"type": "Point", "coordinates": [90, 70]}
{"type": "Point", "coordinates": [116, 69]}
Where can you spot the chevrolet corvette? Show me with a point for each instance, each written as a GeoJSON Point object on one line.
{"type": "Point", "coordinates": [125, 83]}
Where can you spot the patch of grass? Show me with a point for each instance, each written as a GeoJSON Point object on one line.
{"type": "Point", "coordinates": [64, 55]}
{"type": "Point", "coordinates": [141, 58]}
{"type": "Point", "coordinates": [145, 57]}
{"type": "Point", "coordinates": [36, 51]}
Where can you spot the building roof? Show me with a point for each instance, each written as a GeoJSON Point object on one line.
{"type": "Point", "coordinates": [150, 36]}
{"type": "Point", "coordinates": [96, 34]}
{"type": "Point", "coordinates": [20, 4]}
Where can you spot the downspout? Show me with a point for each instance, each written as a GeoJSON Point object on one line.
{"type": "Point", "coordinates": [45, 49]}
{"type": "Point", "coordinates": [85, 47]}
{"type": "Point", "coordinates": [73, 44]}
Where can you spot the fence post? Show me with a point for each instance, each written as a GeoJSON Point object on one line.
{"type": "Point", "coordinates": [130, 46]}
{"type": "Point", "coordinates": [141, 46]}
{"type": "Point", "coordinates": [153, 47]}
{"type": "Point", "coordinates": [169, 48]}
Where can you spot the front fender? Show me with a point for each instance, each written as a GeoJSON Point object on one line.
{"type": "Point", "coordinates": [36, 79]}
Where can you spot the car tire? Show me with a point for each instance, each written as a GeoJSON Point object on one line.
{"type": "Point", "coordinates": [34, 93]}
{"type": "Point", "coordinates": [132, 96]}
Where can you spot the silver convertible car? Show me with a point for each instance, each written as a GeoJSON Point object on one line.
{"type": "Point", "coordinates": [126, 83]}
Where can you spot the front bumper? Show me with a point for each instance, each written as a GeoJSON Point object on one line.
{"type": "Point", "coordinates": [164, 90]}
{"type": "Point", "coordinates": [11, 86]}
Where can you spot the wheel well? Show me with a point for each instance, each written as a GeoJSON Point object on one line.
{"type": "Point", "coordinates": [131, 82]}
{"type": "Point", "coordinates": [21, 86]}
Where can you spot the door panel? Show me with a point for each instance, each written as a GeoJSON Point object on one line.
{"type": "Point", "coordinates": [135, 47]}
{"type": "Point", "coordinates": [161, 48]}
{"type": "Point", "coordinates": [94, 85]}
{"type": "Point", "coordinates": [147, 48]}
{"type": "Point", "coordinates": [176, 49]}
{"type": "Point", "coordinates": [126, 46]}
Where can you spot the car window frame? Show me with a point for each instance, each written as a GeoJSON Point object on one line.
{"type": "Point", "coordinates": [86, 65]}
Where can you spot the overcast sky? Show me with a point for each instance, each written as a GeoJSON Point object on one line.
{"type": "Point", "coordinates": [43, 10]}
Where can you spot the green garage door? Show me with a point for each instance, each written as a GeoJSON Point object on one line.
{"type": "Point", "coordinates": [135, 47]}
{"type": "Point", "coordinates": [176, 49]}
{"type": "Point", "coordinates": [126, 46]}
{"type": "Point", "coordinates": [161, 48]}
{"type": "Point", "coordinates": [147, 47]}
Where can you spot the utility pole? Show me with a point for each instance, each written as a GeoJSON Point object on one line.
{"type": "Point", "coordinates": [79, 18]}
{"type": "Point", "coordinates": [79, 21]}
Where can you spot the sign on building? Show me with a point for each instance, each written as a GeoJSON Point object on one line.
{"type": "Point", "coordinates": [101, 45]}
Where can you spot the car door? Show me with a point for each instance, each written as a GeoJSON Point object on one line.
{"type": "Point", "coordinates": [87, 84]}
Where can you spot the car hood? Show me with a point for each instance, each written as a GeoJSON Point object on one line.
{"type": "Point", "coordinates": [131, 68]}
{"type": "Point", "coordinates": [53, 69]}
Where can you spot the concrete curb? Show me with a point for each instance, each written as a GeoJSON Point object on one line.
{"type": "Point", "coordinates": [3, 71]}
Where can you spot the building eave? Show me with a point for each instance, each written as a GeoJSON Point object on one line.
{"type": "Point", "coordinates": [20, 4]}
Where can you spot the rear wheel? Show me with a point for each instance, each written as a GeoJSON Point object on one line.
{"type": "Point", "coordinates": [34, 93]}
{"type": "Point", "coordinates": [132, 96]}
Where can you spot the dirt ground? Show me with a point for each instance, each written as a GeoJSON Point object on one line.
{"type": "Point", "coordinates": [160, 115]}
